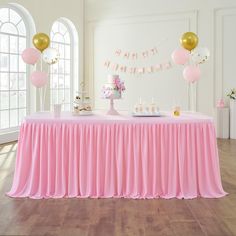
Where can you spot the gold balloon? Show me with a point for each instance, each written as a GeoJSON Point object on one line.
{"type": "Point", "coordinates": [41, 41]}
{"type": "Point", "coordinates": [189, 40]}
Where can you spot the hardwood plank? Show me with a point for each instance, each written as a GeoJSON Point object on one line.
{"type": "Point", "coordinates": [178, 210]}
{"type": "Point", "coordinates": [214, 226]}
{"type": "Point", "coordinates": [231, 224]}
{"type": "Point", "coordinates": [187, 228]}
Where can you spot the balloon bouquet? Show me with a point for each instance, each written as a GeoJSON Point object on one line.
{"type": "Point", "coordinates": [43, 52]}
{"type": "Point", "coordinates": [190, 56]}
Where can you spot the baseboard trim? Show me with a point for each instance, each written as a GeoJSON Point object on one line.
{"type": "Point", "coordinates": [9, 137]}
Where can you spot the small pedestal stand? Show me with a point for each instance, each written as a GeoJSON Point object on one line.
{"type": "Point", "coordinates": [112, 110]}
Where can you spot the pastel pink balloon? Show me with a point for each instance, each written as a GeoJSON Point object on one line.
{"type": "Point", "coordinates": [192, 73]}
{"type": "Point", "coordinates": [39, 79]}
{"type": "Point", "coordinates": [30, 55]}
{"type": "Point", "coordinates": [180, 56]}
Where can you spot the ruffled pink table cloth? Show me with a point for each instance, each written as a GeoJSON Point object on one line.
{"type": "Point", "coordinates": [120, 156]}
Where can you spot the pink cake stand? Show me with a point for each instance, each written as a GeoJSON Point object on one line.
{"type": "Point", "coordinates": [112, 110]}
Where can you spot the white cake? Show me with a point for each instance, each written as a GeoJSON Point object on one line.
{"type": "Point", "coordinates": [113, 88]}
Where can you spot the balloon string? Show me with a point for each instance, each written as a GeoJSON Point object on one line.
{"type": "Point", "coordinates": [189, 96]}
{"type": "Point", "coordinates": [42, 94]}
{"type": "Point", "coordinates": [40, 99]}
{"type": "Point", "coordinates": [41, 63]}
{"type": "Point", "coordinates": [44, 98]}
{"type": "Point", "coordinates": [42, 89]}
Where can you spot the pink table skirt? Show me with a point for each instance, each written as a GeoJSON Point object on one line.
{"type": "Point", "coordinates": [117, 157]}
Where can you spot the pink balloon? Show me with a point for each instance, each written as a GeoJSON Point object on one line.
{"type": "Point", "coordinates": [192, 73]}
{"type": "Point", "coordinates": [180, 56]}
{"type": "Point", "coordinates": [39, 79]}
{"type": "Point", "coordinates": [30, 55]}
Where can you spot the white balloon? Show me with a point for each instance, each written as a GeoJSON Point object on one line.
{"type": "Point", "coordinates": [200, 55]}
{"type": "Point", "coordinates": [51, 56]}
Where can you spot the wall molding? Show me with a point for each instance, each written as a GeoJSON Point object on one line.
{"type": "Point", "coordinates": [220, 14]}
{"type": "Point", "coordinates": [191, 17]}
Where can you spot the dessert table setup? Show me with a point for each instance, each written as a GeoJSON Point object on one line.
{"type": "Point", "coordinates": [142, 154]}
{"type": "Point", "coordinates": [145, 153]}
{"type": "Point", "coordinates": [117, 156]}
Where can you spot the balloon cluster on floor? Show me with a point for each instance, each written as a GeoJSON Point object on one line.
{"type": "Point", "coordinates": [31, 56]}
{"type": "Point", "coordinates": [190, 56]}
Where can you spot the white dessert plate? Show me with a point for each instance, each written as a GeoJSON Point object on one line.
{"type": "Point", "coordinates": [157, 114]}
{"type": "Point", "coordinates": [82, 114]}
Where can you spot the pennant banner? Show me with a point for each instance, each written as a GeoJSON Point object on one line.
{"type": "Point", "coordinates": [136, 55]}
{"type": "Point", "coordinates": [137, 70]}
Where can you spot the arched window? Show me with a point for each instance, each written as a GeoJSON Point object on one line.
{"type": "Point", "coordinates": [62, 75]}
{"type": "Point", "coordinates": [14, 38]}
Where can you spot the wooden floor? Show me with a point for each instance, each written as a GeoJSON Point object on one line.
{"type": "Point", "coordinates": [107, 217]}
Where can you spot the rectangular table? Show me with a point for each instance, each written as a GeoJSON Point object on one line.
{"type": "Point", "coordinates": [117, 156]}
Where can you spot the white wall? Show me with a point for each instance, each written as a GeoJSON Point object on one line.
{"type": "Point", "coordinates": [110, 25]}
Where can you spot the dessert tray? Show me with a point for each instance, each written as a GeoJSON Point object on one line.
{"type": "Point", "coordinates": [147, 114]}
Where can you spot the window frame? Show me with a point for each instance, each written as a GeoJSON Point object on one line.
{"type": "Point", "coordinates": [11, 133]}
{"type": "Point", "coordinates": [73, 62]}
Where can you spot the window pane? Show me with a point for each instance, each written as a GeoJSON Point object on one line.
{"type": "Point", "coordinates": [62, 29]}
{"type": "Point", "coordinates": [4, 81]}
{"type": "Point", "coordinates": [13, 100]}
{"type": "Point", "coordinates": [55, 68]}
{"type": "Point", "coordinates": [4, 119]}
{"type": "Point", "coordinates": [14, 17]}
{"type": "Point", "coordinates": [13, 44]}
{"type": "Point", "coordinates": [53, 45]}
{"type": "Point", "coordinates": [55, 27]}
{"type": "Point", "coordinates": [61, 82]}
{"type": "Point", "coordinates": [21, 28]}
{"type": "Point", "coordinates": [4, 62]}
{"type": "Point", "coordinates": [61, 66]}
{"type": "Point", "coordinates": [58, 38]}
{"type": "Point", "coordinates": [13, 63]}
{"type": "Point", "coordinates": [67, 107]}
{"type": "Point", "coordinates": [13, 118]}
{"type": "Point", "coordinates": [67, 95]}
{"type": "Point", "coordinates": [67, 81]}
{"type": "Point", "coordinates": [22, 65]}
{"type": "Point", "coordinates": [54, 80]}
{"type": "Point", "coordinates": [13, 81]}
{"type": "Point", "coordinates": [22, 44]}
{"type": "Point", "coordinates": [22, 81]}
{"type": "Point", "coordinates": [22, 99]}
{"type": "Point", "coordinates": [22, 114]}
{"type": "Point", "coordinates": [67, 38]}
{"type": "Point", "coordinates": [61, 95]}
{"type": "Point", "coordinates": [4, 100]}
{"type": "Point", "coordinates": [61, 51]}
{"type": "Point", "coordinates": [67, 66]}
{"type": "Point", "coordinates": [54, 99]}
{"type": "Point", "coordinates": [4, 42]}
{"type": "Point", "coordinates": [9, 28]}
{"type": "Point", "coordinates": [4, 14]}
{"type": "Point", "coordinates": [67, 52]}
